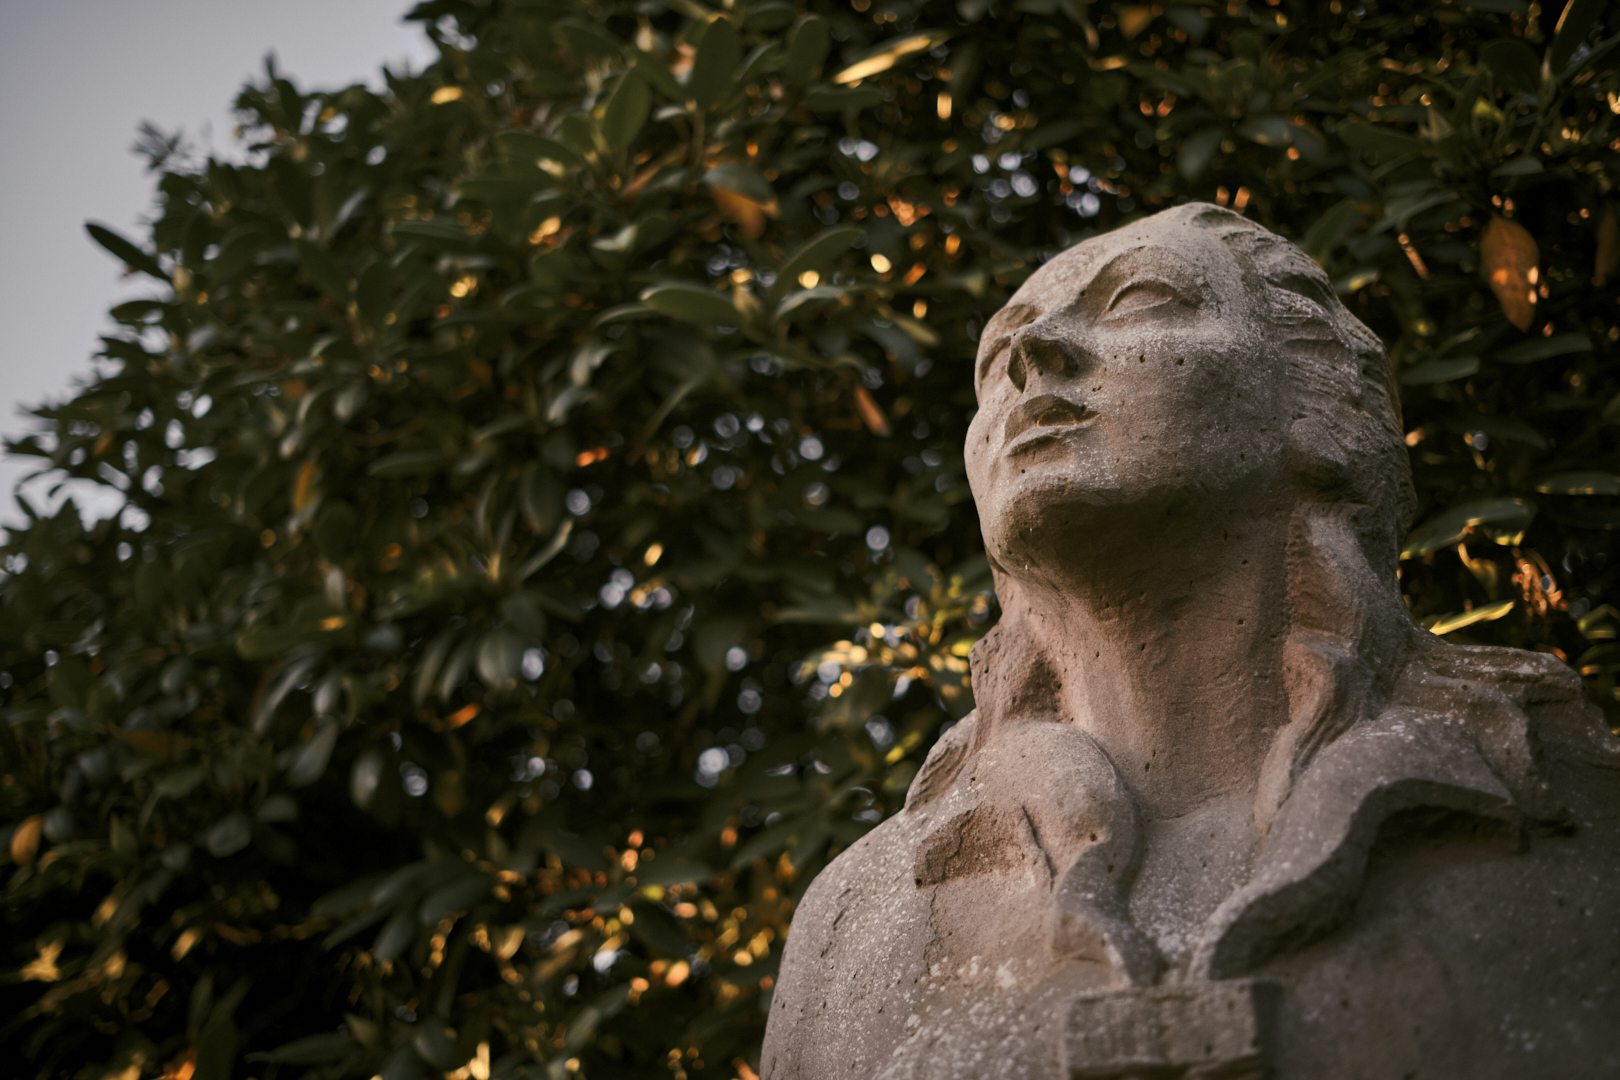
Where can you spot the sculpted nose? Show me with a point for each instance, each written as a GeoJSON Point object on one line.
{"type": "Point", "coordinates": [1036, 353]}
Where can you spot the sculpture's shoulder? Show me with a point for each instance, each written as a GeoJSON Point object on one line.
{"type": "Point", "coordinates": [856, 943]}
{"type": "Point", "coordinates": [1503, 738]}
{"type": "Point", "coordinates": [1473, 947]}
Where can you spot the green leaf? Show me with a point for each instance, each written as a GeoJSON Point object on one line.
{"type": "Point", "coordinates": [807, 49]}
{"type": "Point", "coordinates": [311, 1050]}
{"type": "Point", "coordinates": [278, 807]}
{"type": "Point", "coordinates": [1507, 515]}
{"type": "Point", "coordinates": [133, 257]}
{"type": "Point", "coordinates": [310, 757]}
{"type": "Point", "coordinates": [1514, 64]}
{"type": "Point", "coordinates": [671, 870]}
{"type": "Point", "coordinates": [657, 75]}
{"type": "Point", "coordinates": [691, 303]}
{"type": "Point", "coordinates": [735, 176]}
{"type": "Point", "coordinates": [626, 110]}
{"type": "Point", "coordinates": [500, 657]}
{"type": "Point", "coordinates": [435, 236]}
{"type": "Point", "coordinates": [324, 270]}
{"type": "Point", "coordinates": [768, 16]}
{"type": "Point", "coordinates": [654, 927]}
{"type": "Point", "coordinates": [1526, 165]}
{"type": "Point", "coordinates": [802, 300]}
{"type": "Point", "coordinates": [229, 835]}
{"type": "Point", "coordinates": [634, 311]}
{"type": "Point", "coordinates": [815, 254]}
{"type": "Point", "coordinates": [1439, 370]}
{"type": "Point", "coordinates": [1377, 140]}
{"type": "Point", "coordinates": [1197, 149]}
{"type": "Point", "coordinates": [1580, 483]}
{"type": "Point", "coordinates": [1544, 348]}
{"type": "Point", "coordinates": [435, 1046]}
{"type": "Point", "coordinates": [531, 147]}
{"type": "Point", "coordinates": [870, 692]}
{"type": "Point", "coordinates": [375, 291]}
{"type": "Point", "coordinates": [714, 68]}
{"type": "Point", "coordinates": [583, 39]}
{"type": "Point", "coordinates": [1574, 26]}
{"type": "Point", "coordinates": [216, 1050]}
{"type": "Point", "coordinates": [409, 463]}
{"type": "Point", "coordinates": [837, 100]}
{"type": "Point", "coordinates": [453, 897]}
{"type": "Point", "coordinates": [1330, 229]}
{"type": "Point", "coordinates": [1269, 130]}
{"type": "Point", "coordinates": [396, 935]}
{"type": "Point", "coordinates": [179, 783]}
{"type": "Point", "coordinates": [1509, 428]}
{"type": "Point", "coordinates": [759, 62]}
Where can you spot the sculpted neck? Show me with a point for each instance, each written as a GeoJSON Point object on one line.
{"type": "Point", "coordinates": [1164, 644]}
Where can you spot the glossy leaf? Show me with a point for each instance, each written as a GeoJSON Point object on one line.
{"type": "Point", "coordinates": [807, 48]}
{"type": "Point", "coordinates": [626, 110]}
{"type": "Point", "coordinates": [714, 66]}
{"type": "Point", "coordinates": [1508, 255]}
{"type": "Point", "coordinates": [691, 303]}
{"type": "Point", "coordinates": [1509, 515]}
{"type": "Point", "coordinates": [132, 256]}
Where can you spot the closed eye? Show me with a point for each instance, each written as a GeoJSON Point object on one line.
{"type": "Point", "coordinates": [1147, 293]}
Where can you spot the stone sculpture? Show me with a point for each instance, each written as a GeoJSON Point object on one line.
{"type": "Point", "coordinates": [1223, 809]}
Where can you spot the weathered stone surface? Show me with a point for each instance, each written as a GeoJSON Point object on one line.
{"type": "Point", "coordinates": [1223, 809]}
{"type": "Point", "coordinates": [1200, 1029]}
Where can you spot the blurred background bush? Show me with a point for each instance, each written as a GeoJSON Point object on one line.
{"type": "Point", "coordinates": [546, 541]}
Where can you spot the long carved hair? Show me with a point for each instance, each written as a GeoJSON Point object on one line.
{"type": "Point", "coordinates": [1353, 648]}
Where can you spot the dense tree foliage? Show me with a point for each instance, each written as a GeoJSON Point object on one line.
{"type": "Point", "coordinates": [546, 541]}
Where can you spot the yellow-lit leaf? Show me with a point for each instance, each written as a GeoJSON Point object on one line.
{"type": "Point", "coordinates": [1133, 20]}
{"type": "Point", "coordinates": [871, 412]}
{"type": "Point", "coordinates": [43, 967]}
{"type": "Point", "coordinates": [1508, 255]}
{"type": "Point", "coordinates": [1489, 612]}
{"type": "Point", "coordinates": [185, 942]}
{"type": "Point", "coordinates": [1581, 483]}
{"type": "Point", "coordinates": [304, 488]}
{"type": "Point", "coordinates": [25, 840]}
{"type": "Point", "coordinates": [887, 57]}
{"type": "Point", "coordinates": [744, 211]}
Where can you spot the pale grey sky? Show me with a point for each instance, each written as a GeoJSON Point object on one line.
{"type": "Point", "coordinates": [78, 77]}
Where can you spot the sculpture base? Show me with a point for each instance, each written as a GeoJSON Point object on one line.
{"type": "Point", "coordinates": [1196, 1031]}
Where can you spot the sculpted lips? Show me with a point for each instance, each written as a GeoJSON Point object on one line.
{"type": "Point", "coordinates": [1048, 412]}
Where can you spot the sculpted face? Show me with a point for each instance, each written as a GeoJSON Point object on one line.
{"type": "Point", "coordinates": [1127, 374]}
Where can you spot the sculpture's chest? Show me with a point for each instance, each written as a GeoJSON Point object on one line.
{"type": "Point", "coordinates": [1460, 959]}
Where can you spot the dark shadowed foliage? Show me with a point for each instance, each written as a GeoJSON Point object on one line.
{"type": "Point", "coordinates": [546, 540]}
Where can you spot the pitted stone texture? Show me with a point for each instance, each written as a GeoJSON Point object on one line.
{"type": "Point", "coordinates": [1212, 752]}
